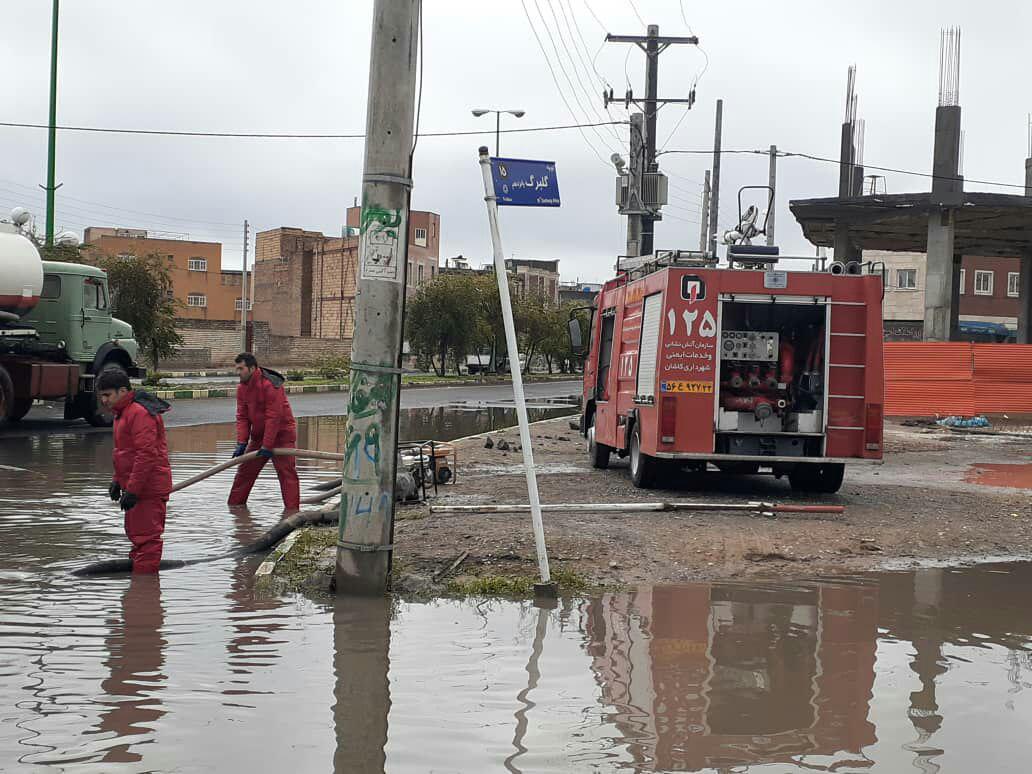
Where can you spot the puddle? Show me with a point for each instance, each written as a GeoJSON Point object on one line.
{"type": "Point", "coordinates": [1014, 476]}
{"type": "Point", "coordinates": [890, 672]}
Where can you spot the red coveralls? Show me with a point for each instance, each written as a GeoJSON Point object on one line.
{"type": "Point", "coordinates": [141, 467]}
{"type": "Point", "coordinates": [264, 420]}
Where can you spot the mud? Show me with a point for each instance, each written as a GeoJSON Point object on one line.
{"type": "Point", "coordinates": [921, 505]}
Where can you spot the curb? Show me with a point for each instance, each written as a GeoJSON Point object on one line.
{"type": "Point", "coordinates": [230, 392]}
{"type": "Point", "coordinates": [295, 389]}
{"type": "Point", "coordinates": [263, 575]}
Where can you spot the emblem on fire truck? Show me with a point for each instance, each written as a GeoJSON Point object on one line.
{"type": "Point", "coordinates": [693, 288]}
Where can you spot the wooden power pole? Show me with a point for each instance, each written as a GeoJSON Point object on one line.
{"type": "Point", "coordinates": [371, 435]}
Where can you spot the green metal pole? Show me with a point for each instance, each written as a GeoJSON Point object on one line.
{"type": "Point", "coordinates": [52, 133]}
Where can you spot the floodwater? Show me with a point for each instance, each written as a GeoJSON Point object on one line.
{"type": "Point", "coordinates": [1012, 475]}
{"type": "Point", "coordinates": [193, 672]}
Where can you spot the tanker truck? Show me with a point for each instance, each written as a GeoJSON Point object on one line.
{"type": "Point", "coordinates": [56, 333]}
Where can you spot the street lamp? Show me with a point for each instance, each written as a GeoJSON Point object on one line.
{"type": "Point", "coordinates": [498, 120]}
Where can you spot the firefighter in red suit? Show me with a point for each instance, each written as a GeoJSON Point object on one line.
{"type": "Point", "coordinates": [264, 422]}
{"type": "Point", "coordinates": [142, 478]}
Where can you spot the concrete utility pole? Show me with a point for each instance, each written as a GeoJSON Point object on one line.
{"type": "Point", "coordinates": [704, 236]}
{"type": "Point", "coordinates": [52, 128]}
{"type": "Point", "coordinates": [715, 191]}
{"type": "Point", "coordinates": [772, 179]}
{"type": "Point", "coordinates": [634, 170]}
{"type": "Point", "coordinates": [243, 296]}
{"type": "Point", "coordinates": [371, 436]}
{"type": "Point", "coordinates": [653, 45]}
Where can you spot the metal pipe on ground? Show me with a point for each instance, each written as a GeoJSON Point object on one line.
{"type": "Point", "coordinates": [759, 507]}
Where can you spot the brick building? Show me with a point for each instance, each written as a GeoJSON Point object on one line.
{"type": "Point", "coordinates": [536, 278]}
{"type": "Point", "coordinates": [305, 281]}
{"type": "Point", "coordinates": [989, 295]}
{"type": "Point", "coordinates": [204, 289]}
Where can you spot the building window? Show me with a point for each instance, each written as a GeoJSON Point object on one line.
{"type": "Point", "coordinates": [419, 274]}
{"type": "Point", "coordinates": [238, 304]}
{"type": "Point", "coordinates": [983, 283]}
{"type": "Point", "coordinates": [197, 264]}
{"type": "Point", "coordinates": [1013, 284]}
{"type": "Point", "coordinates": [433, 271]}
{"type": "Point", "coordinates": [408, 274]}
{"type": "Point", "coordinates": [125, 257]}
{"type": "Point", "coordinates": [963, 280]}
{"type": "Point", "coordinates": [906, 279]}
{"type": "Point", "coordinates": [421, 237]}
{"type": "Point", "coordinates": [196, 299]}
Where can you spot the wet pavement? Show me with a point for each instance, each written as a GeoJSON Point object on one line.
{"type": "Point", "coordinates": [928, 670]}
{"type": "Point", "coordinates": [48, 417]}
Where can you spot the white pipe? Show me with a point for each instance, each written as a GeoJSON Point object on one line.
{"type": "Point", "coordinates": [514, 368]}
{"type": "Point", "coordinates": [640, 507]}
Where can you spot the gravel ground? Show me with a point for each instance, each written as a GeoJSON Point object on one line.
{"type": "Point", "coordinates": [923, 505]}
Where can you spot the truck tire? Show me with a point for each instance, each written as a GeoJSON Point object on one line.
{"type": "Point", "coordinates": [823, 478]}
{"type": "Point", "coordinates": [597, 452]}
{"type": "Point", "coordinates": [7, 402]}
{"type": "Point", "coordinates": [91, 409]}
{"type": "Point", "coordinates": [643, 467]}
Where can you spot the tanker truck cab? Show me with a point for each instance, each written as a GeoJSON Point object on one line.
{"type": "Point", "coordinates": [75, 328]}
{"type": "Point", "coordinates": [745, 369]}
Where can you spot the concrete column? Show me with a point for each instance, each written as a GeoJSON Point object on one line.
{"type": "Point", "coordinates": [1025, 287]}
{"type": "Point", "coordinates": [939, 277]}
{"type": "Point", "coordinates": [955, 298]}
{"type": "Point", "coordinates": [844, 250]}
{"type": "Point", "coordinates": [941, 293]}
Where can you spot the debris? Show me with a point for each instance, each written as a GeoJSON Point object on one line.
{"type": "Point", "coordinates": [614, 566]}
{"type": "Point", "coordinates": [502, 445]}
{"type": "Point", "coordinates": [870, 547]}
{"type": "Point", "coordinates": [489, 443]}
{"type": "Point", "coordinates": [451, 567]}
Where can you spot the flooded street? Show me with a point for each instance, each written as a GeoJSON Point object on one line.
{"type": "Point", "coordinates": [928, 670]}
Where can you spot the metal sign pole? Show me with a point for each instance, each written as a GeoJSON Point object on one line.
{"type": "Point", "coordinates": [517, 375]}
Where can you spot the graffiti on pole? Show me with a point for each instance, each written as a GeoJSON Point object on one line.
{"type": "Point", "coordinates": [371, 394]}
{"type": "Point", "coordinates": [380, 246]}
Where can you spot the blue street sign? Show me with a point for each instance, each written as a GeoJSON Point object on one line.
{"type": "Point", "coordinates": [525, 183]}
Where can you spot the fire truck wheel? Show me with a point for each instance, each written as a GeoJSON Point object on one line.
{"type": "Point", "coordinates": [643, 467]}
{"type": "Point", "coordinates": [822, 479]}
{"type": "Point", "coordinates": [598, 452]}
{"type": "Point", "coordinates": [93, 412]}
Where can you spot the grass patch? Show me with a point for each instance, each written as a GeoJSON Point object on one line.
{"type": "Point", "coordinates": [520, 586]}
{"type": "Point", "coordinates": [303, 557]}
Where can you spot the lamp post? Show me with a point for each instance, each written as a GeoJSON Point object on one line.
{"type": "Point", "coordinates": [498, 121]}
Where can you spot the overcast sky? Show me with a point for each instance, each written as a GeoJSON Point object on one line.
{"type": "Point", "coordinates": [230, 65]}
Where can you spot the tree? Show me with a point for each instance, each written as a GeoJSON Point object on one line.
{"type": "Point", "coordinates": [442, 321]}
{"type": "Point", "coordinates": [141, 294]}
{"type": "Point", "coordinates": [535, 324]}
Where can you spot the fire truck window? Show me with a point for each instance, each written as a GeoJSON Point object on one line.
{"type": "Point", "coordinates": [605, 356]}
{"type": "Point", "coordinates": [51, 286]}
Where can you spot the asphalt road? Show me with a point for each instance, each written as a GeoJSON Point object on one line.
{"type": "Point", "coordinates": [48, 417]}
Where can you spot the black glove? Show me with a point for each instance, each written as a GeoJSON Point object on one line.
{"type": "Point", "coordinates": [267, 453]}
{"type": "Point", "coordinates": [240, 449]}
{"type": "Point", "coordinates": [128, 501]}
{"type": "Point", "coordinates": [114, 491]}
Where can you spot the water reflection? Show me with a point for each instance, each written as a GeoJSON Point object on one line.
{"type": "Point", "coordinates": [362, 693]}
{"type": "Point", "coordinates": [136, 659]}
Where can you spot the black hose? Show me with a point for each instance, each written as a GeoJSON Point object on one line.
{"type": "Point", "coordinates": [270, 538]}
{"type": "Point", "coordinates": [326, 486]}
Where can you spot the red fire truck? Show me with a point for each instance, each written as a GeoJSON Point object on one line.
{"type": "Point", "coordinates": [743, 368]}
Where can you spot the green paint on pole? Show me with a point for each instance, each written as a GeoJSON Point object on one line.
{"type": "Point", "coordinates": [52, 130]}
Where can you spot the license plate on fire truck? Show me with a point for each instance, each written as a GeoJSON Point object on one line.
{"type": "Point", "coordinates": [697, 387]}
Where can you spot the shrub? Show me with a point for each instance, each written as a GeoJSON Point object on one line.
{"type": "Point", "coordinates": [333, 367]}
{"type": "Point", "coordinates": [153, 379]}
{"type": "Point", "coordinates": [295, 376]}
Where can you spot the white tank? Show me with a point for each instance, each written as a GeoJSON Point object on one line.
{"type": "Point", "coordinates": [21, 274]}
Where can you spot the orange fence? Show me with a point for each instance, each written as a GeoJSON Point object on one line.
{"type": "Point", "coordinates": [928, 378]}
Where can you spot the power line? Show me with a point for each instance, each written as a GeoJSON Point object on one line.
{"type": "Point", "coordinates": [555, 80]}
{"type": "Point", "coordinates": [825, 159]}
{"type": "Point", "coordinates": [562, 69]}
{"type": "Point", "coordinates": [288, 136]}
{"type": "Point", "coordinates": [635, 9]}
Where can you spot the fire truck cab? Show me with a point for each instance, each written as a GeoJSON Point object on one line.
{"type": "Point", "coordinates": [743, 368]}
